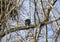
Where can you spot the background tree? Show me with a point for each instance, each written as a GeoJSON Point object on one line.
{"type": "Point", "coordinates": [44, 21]}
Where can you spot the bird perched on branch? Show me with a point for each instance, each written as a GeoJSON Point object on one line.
{"type": "Point", "coordinates": [27, 22]}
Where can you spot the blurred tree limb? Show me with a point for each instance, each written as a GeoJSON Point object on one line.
{"type": "Point", "coordinates": [25, 28]}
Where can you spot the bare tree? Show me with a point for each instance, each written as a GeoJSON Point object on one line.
{"type": "Point", "coordinates": [12, 19]}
